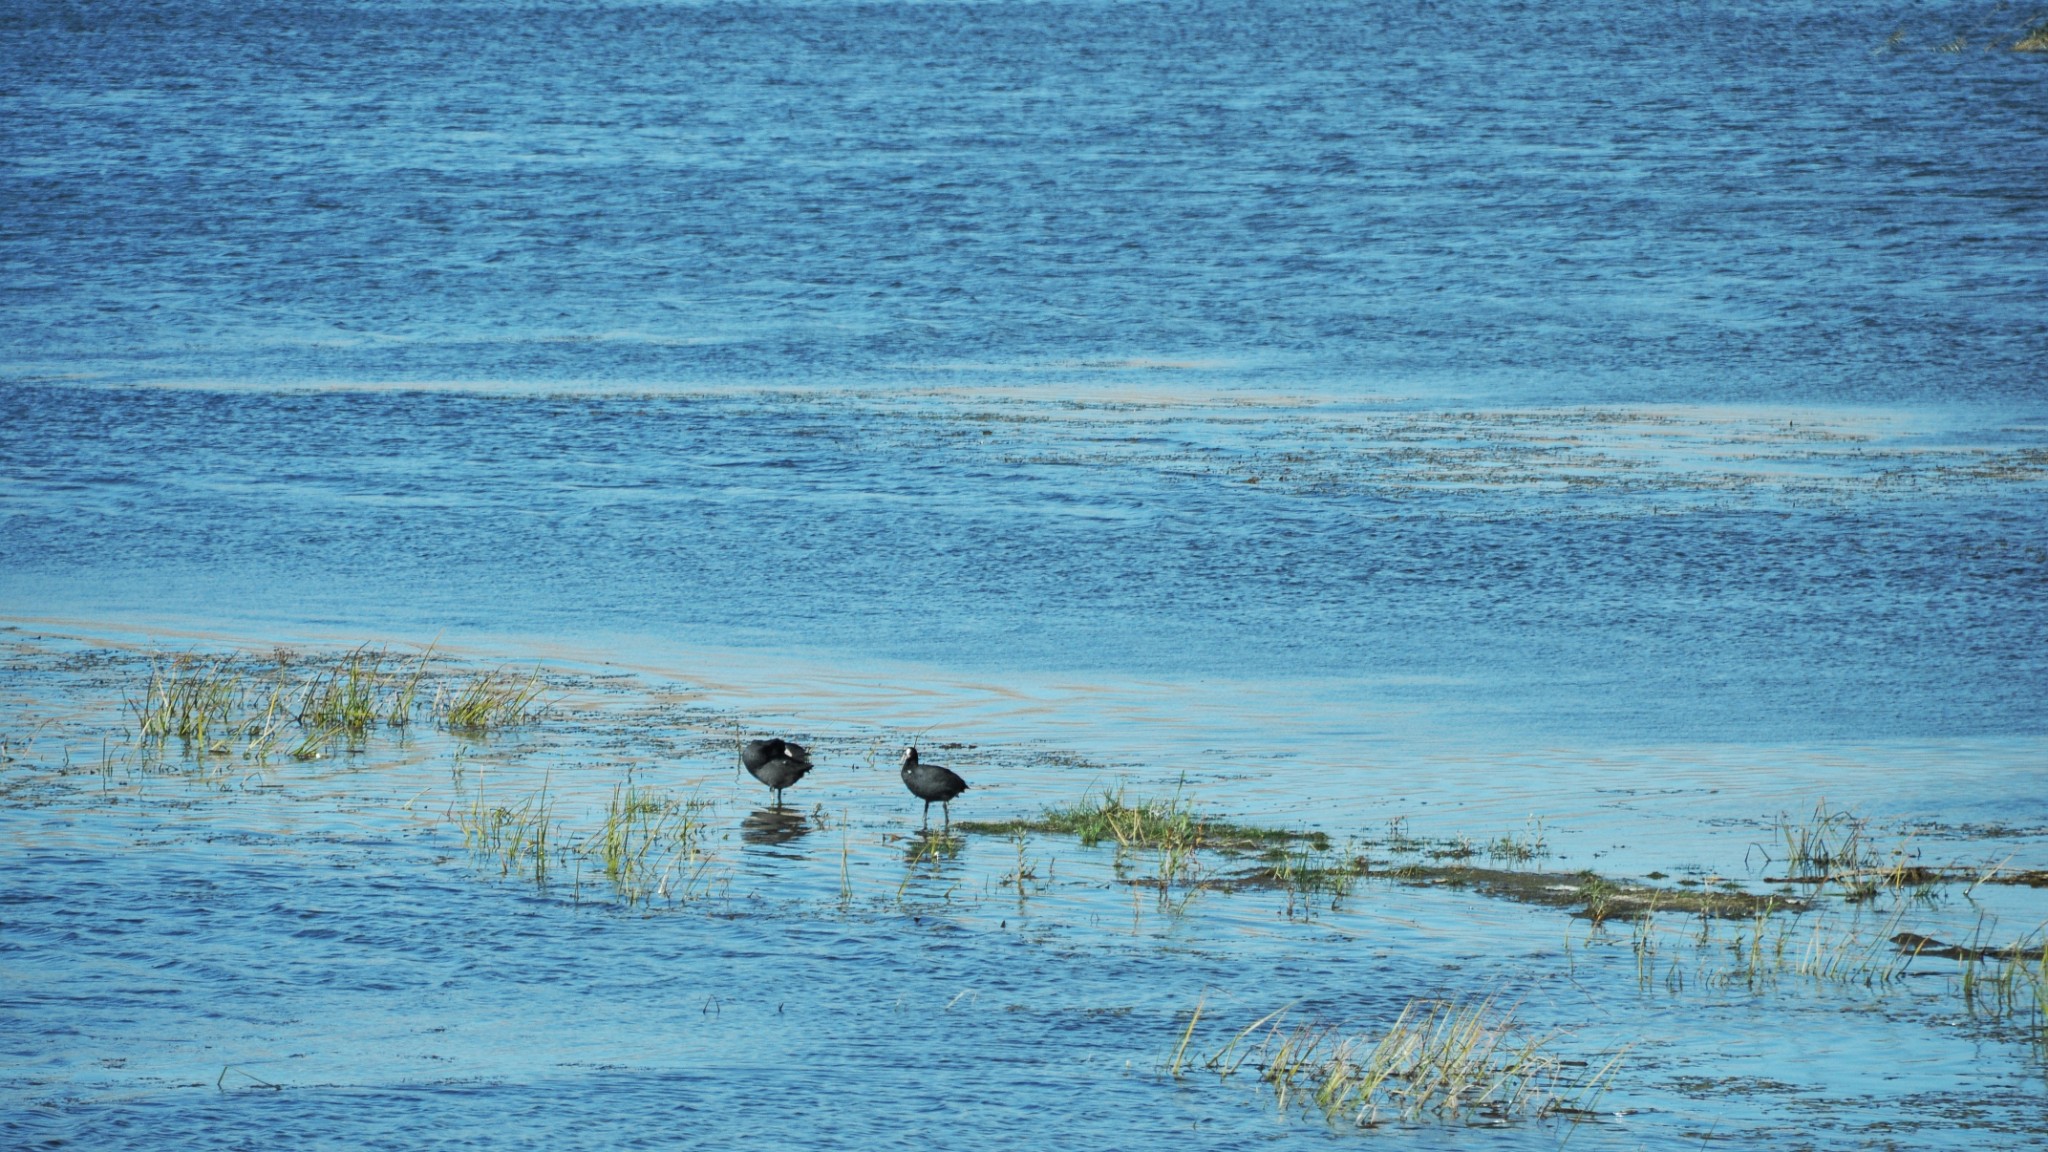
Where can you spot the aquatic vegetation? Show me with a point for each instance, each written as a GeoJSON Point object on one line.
{"type": "Point", "coordinates": [1762, 953]}
{"type": "Point", "coordinates": [845, 865]}
{"type": "Point", "coordinates": [1599, 895]}
{"type": "Point", "coordinates": [540, 820]}
{"type": "Point", "coordinates": [314, 743]}
{"type": "Point", "coordinates": [925, 848]}
{"type": "Point", "coordinates": [1303, 865]}
{"type": "Point", "coordinates": [1842, 956]}
{"type": "Point", "coordinates": [265, 730]}
{"type": "Point", "coordinates": [1999, 985]}
{"type": "Point", "coordinates": [194, 700]}
{"type": "Point", "coordinates": [921, 854]}
{"type": "Point", "coordinates": [1399, 841]}
{"type": "Point", "coordinates": [1439, 1060]}
{"type": "Point", "coordinates": [489, 700]}
{"type": "Point", "coordinates": [2009, 984]}
{"type": "Point", "coordinates": [1591, 895]}
{"type": "Point", "coordinates": [345, 698]}
{"type": "Point", "coordinates": [1512, 849]}
{"type": "Point", "coordinates": [1163, 823]}
{"type": "Point", "coordinates": [515, 837]}
{"type": "Point", "coordinates": [1307, 876]}
{"type": "Point", "coordinates": [398, 712]}
{"type": "Point", "coordinates": [2035, 39]}
{"type": "Point", "coordinates": [1836, 848]}
{"type": "Point", "coordinates": [648, 846]}
{"type": "Point", "coordinates": [1831, 844]}
{"type": "Point", "coordinates": [1025, 875]}
{"type": "Point", "coordinates": [1175, 834]}
{"type": "Point", "coordinates": [309, 707]}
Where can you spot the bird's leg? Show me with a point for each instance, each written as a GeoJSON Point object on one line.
{"type": "Point", "coordinates": [947, 808]}
{"type": "Point", "coordinates": [927, 816]}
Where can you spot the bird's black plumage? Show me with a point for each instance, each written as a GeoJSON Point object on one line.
{"type": "Point", "coordinates": [931, 783]}
{"type": "Point", "coordinates": [776, 763]}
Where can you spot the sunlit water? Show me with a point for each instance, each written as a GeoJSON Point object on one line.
{"type": "Point", "coordinates": [209, 949]}
{"type": "Point", "coordinates": [1625, 417]}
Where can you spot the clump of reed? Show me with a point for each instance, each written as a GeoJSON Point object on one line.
{"type": "Point", "coordinates": [405, 690]}
{"type": "Point", "coordinates": [1835, 847]}
{"type": "Point", "coordinates": [1600, 895]}
{"type": "Point", "coordinates": [194, 700]}
{"type": "Point", "coordinates": [517, 837]}
{"type": "Point", "coordinates": [1829, 844]}
{"type": "Point", "coordinates": [1156, 823]}
{"type": "Point", "coordinates": [489, 700]}
{"type": "Point", "coordinates": [1399, 840]}
{"type": "Point", "coordinates": [1176, 834]}
{"type": "Point", "coordinates": [345, 697]}
{"type": "Point", "coordinates": [1143, 824]}
{"type": "Point", "coordinates": [1439, 1060]}
{"type": "Point", "coordinates": [1828, 953]}
{"type": "Point", "coordinates": [1764, 951]}
{"type": "Point", "coordinates": [1514, 850]}
{"type": "Point", "coordinates": [2008, 984]}
{"type": "Point", "coordinates": [2035, 39]}
{"type": "Point", "coordinates": [1308, 877]}
{"type": "Point", "coordinates": [648, 846]}
{"type": "Point", "coordinates": [303, 708]}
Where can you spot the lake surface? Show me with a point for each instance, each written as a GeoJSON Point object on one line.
{"type": "Point", "coordinates": [1629, 418]}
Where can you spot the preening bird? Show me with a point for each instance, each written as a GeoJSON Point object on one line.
{"type": "Point", "coordinates": [932, 783]}
{"type": "Point", "coordinates": [776, 763]}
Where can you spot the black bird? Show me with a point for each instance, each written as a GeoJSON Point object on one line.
{"type": "Point", "coordinates": [776, 763]}
{"type": "Point", "coordinates": [932, 784]}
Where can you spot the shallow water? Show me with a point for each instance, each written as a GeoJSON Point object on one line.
{"type": "Point", "coordinates": [1752, 574]}
{"type": "Point", "coordinates": [214, 949]}
{"type": "Point", "coordinates": [1624, 421]}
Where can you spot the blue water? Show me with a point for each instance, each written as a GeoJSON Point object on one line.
{"type": "Point", "coordinates": [1364, 405]}
{"type": "Point", "coordinates": [1679, 600]}
{"type": "Point", "coordinates": [1603, 201]}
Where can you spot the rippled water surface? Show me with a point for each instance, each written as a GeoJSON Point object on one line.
{"type": "Point", "coordinates": [1442, 420]}
{"type": "Point", "coordinates": [1599, 200]}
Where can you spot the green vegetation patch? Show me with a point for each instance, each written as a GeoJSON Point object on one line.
{"type": "Point", "coordinates": [1147, 824]}
{"type": "Point", "coordinates": [1303, 865]}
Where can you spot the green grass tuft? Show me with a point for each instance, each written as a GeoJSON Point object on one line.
{"type": "Point", "coordinates": [491, 700]}
{"type": "Point", "coordinates": [1440, 1060]}
{"type": "Point", "coordinates": [1167, 823]}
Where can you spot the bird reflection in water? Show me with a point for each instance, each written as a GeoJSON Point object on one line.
{"type": "Point", "coordinates": [930, 847]}
{"type": "Point", "coordinates": [773, 826]}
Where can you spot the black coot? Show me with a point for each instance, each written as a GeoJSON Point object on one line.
{"type": "Point", "coordinates": [776, 763]}
{"type": "Point", "coordinates": [932, 784]}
